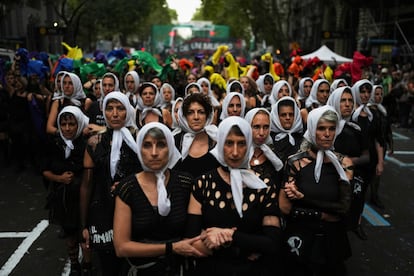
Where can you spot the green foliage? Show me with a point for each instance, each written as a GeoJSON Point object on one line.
{"type": "Point", "coordinates": [266, 19]}
{"type": "Point", "coordinates": [129, 20]}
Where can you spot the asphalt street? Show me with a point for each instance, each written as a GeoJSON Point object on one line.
{"type": "Point", "coordinates": [29, 245]}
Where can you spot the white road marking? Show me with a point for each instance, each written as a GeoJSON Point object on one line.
{"type": "Point", "coordinates": [397, 136]}
{"type": "Point", "coordinates": [23, 247]}
{"type": "Point", "coordinates": [11, 235]}
{"type": "Point", "coordinates": [66, 268]}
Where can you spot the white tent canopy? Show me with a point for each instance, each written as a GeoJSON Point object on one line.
{"type": "Point", "coordinates": [327, 55]}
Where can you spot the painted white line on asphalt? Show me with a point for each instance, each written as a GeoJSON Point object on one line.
{"type": "Point", "coordinates": [398, 136]}
{"type": "Point", "coordinates": [403, 152]}
{"type": "Point", "coordinates": [66, 268]}
{"type": "Point", "coordinates": [398, 162]}
{"type": "Point", "coordinates": [11, 235]}
{"type": "Point", "coordinates": [23, 247]}
{"type": "Point", "coordinates": [374, 217]}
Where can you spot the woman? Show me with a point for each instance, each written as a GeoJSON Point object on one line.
{"type": "Point", "coordinates": [109, 156]}
{"type": "Point", "coordinates": [57, 89]}
{"type": "Point", "coordinates": [72, 94]}
{"type": "Point", "coordinates": [315, 199]}
{"type": "Point", "coordinates": [250, 88]}
{"type": "Point", "coordinates": [149, 106]}
{"type": "Point", "coordinates": [234, 210]}
{"type": "Point", "coordinates": [233, 105]}
{"type": "Point", "coordinates": [131, 84]}
{"type": "Point", "coordinates": [338, 83]}
{"type": "Point", "coordinates": [19, 121]}
{"type": "Point", "coordinates": [175, 107]}
{"type": "Point", "coordinates": [376, 103]}
{"type": "Point", "coordinates": [151, 207]}
{"type": "Point", "coordinates": [305, 86]}
{"type": "Point", "coordinates": [286, 127]}
{"type": "Point", "coordinates": [368, 119]}
{"type": "Point", "coordinates": [234, 86]}
{"type": "Point", "coordinates": [195, 136]}
{"type": "Point", "coordinates": [318, 96]}
{"type": "Point", "coordinates": [206, 90]}
{"type": "Point", "coordinates": [63, 171]}
{"type": "Point", "coordinates": [167, 93]}
{"type": "Point", "coordinates": [350, 143]}
{"type": "Point", "coordinates": [264, 161]}
{"type": "Point", "coordinates": [280, 89]}
{"type": "Point", "coordinates": [192, 88]}
{"type": "Point", "coordinates": [265, 84]}
{"type": "Point", "coordinates": [108, 84]}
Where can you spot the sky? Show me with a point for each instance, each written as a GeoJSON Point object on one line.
{"type": "Point", "coordinates": [185, 8]}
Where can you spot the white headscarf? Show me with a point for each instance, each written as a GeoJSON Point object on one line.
{"type": "Point", "coordinates": [310, 135]}
{"type": "Point", "coordinates": [276, 126]}
{"type": "Point", "coordinates": [335, 101]}
{"type": "Point", "coordinates": [164, 204]}
{"type": "Point", "coordinates": [230, 86]}
{"type": "Point", "coordinates": [116, 85]}
{"type": "Point", "coordinates": [133, 93]}
{"type": "Point", "coordinates": [214, 101]}
{"type": "Point", "coordinates": [77, 94]}
{"type": "Point", "coordinates": [260, 86]}
{"type": "Point", "coordinates": [274, 96]}
{"type": "Point", "coordinates": [336, 82]}
{"type": "Point", "coordinates": [224, 114]}
{"type": "Point", "coordinates": [242, 174]}
{"type": "Point", "coordinates": [58, 87]}
{"type": "Point", "coordinates": [145, 109]}
{"type": "Point", "coordinates": [186, 93]}
{"type": "Point", "coordinates": [276, 162]}
{"type": "Point", "coordinates": [164, 102]}
{"type": "Point", "coordinates": [190, 134]}
{"type": "Point", "coordinates": [175, 124]}
{"type": "Point", "coordinates": [301, 92]}
{"type": "Point", "coordinates": [361, 106]}
{"type": "Point", "coordinates": [380, 107]}
{"type": "Point", "coordinates": [313, 99]}
{"type": "Point", "coordinates": [82, 121]}
{"type": "Point", "coordinates": [260, 82]}
{"type": "Point", "coordinates": [122, 134]}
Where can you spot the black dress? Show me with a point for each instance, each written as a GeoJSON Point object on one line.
{"type": "Point", "coordinates": [102, 203]}
{"type": "Point", "coordinates": [350, 142]}
{"type": "Point", "coordinates": [150, 227]}
{"type": "Point", "coordinates": [218, 210]}
{"type": "Point", "coordinates": [195, 166]}
{"type": "Point", "coordinates": [283, 148]}
{"type": "Point", "coordinates": [63, 199]}
{"type": "Point", "coordinates": [310, 244]}
{"type": "Point", "coordinates": [268, 174]}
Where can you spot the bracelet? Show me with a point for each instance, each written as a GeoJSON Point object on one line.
{"type": "Point", "coordinates": [168, 248]}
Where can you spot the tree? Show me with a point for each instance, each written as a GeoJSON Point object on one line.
{"type": "Point", "coordinates": [70, 12]}
{"type": "Point", "coordinates": [126, 21]}
{"type": "Point", "coordinates": [267, 19]}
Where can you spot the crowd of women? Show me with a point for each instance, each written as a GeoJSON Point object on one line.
{"type": "Point", "coordinates": [265, 178]}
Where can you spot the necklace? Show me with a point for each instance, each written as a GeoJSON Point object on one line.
{"type": "Point", "coordinates": [256, 158]}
